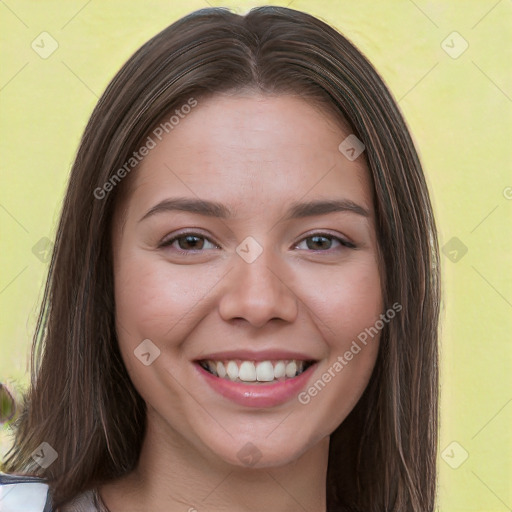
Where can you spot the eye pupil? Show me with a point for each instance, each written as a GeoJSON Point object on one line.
{"type": "Point", "coordinates": [191, 242]}
{"type": "Point", "coordinates": [318, 242]}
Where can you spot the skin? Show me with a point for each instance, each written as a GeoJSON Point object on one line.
{"type": "Point", "coordinates": [256, 155]}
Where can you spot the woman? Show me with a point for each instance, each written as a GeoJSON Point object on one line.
{"type": "Point", "coordinates": [242, 306]}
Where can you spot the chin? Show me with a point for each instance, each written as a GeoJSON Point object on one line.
{"type": "Point", "coordinates": [260, 451]}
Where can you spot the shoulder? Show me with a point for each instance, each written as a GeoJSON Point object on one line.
{"type": "Point", "coordinates": [24, 493]}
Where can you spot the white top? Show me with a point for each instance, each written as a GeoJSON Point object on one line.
{"type": "Point", "coordinates": [23, 497]}
{"type": "Point", "coordinates": [20, 493]}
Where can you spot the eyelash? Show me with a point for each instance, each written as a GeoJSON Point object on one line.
{"type": "Point", "coordinates": [170, 241]}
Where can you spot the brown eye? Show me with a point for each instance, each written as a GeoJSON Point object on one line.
{"type": "Point", "coordinates": [316, 243]}
{"type": "Point", "coordinates": [324, 242]}
{"type": "Point", "coordinates": [188, 242]}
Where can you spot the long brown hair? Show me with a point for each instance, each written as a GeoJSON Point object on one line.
{"type": "Point", "coordinates": [81, 400]}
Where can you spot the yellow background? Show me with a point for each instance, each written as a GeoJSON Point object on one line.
{"type": "Point", "coordinates": [460, 113]}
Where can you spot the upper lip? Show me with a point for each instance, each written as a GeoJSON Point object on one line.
{"type": "Point", "coordinates": [262, 355]}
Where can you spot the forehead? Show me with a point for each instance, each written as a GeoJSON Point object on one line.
{"type": "Point", "coordinates": [252, 151]}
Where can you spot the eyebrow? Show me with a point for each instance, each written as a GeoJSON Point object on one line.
{"type": "Point", "coordinates": [296, 211]}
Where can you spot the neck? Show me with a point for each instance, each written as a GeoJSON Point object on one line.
{"type": "Point", "coordinates": [172, 474]}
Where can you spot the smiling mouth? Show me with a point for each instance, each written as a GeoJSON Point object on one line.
{"type": "Point", "coordinates": [256, 372]}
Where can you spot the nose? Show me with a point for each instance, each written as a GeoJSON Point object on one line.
{"type": "Point", "coordinates": [257, 292]}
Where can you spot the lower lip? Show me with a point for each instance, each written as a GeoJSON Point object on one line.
{"type": "Point", "coordinates": [257, 395]}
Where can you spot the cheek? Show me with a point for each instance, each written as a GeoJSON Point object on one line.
{"type": "Point", "coordinates": [155, 298]}
{"type": "Point", "coordinates": [346, 302]}
{"type": "Point", "coordinates": [159, 302]}
{"type": "Point", "coordinates": [345, 299]}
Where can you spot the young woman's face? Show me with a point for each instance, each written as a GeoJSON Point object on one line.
{"type": "Point", "coordinates": [247, 245]}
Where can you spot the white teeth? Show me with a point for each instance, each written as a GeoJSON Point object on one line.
{"type": "Point", "coordinates": [232, 370]}
{"type": "Point", "coordinates": [279, 370]}
{"type": "Point", "coordinates": [212, 367]}
{"type": "Point", "coordinates": [247, 372]}
{"type": "Point", "coordinates": [250, 371]}
{"type": "Point", "coordinates": [291, 369]}
{"type": "Point", "coordinates": [221, 371]}
{"type": "Point", "coordinates": [265, 372]}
